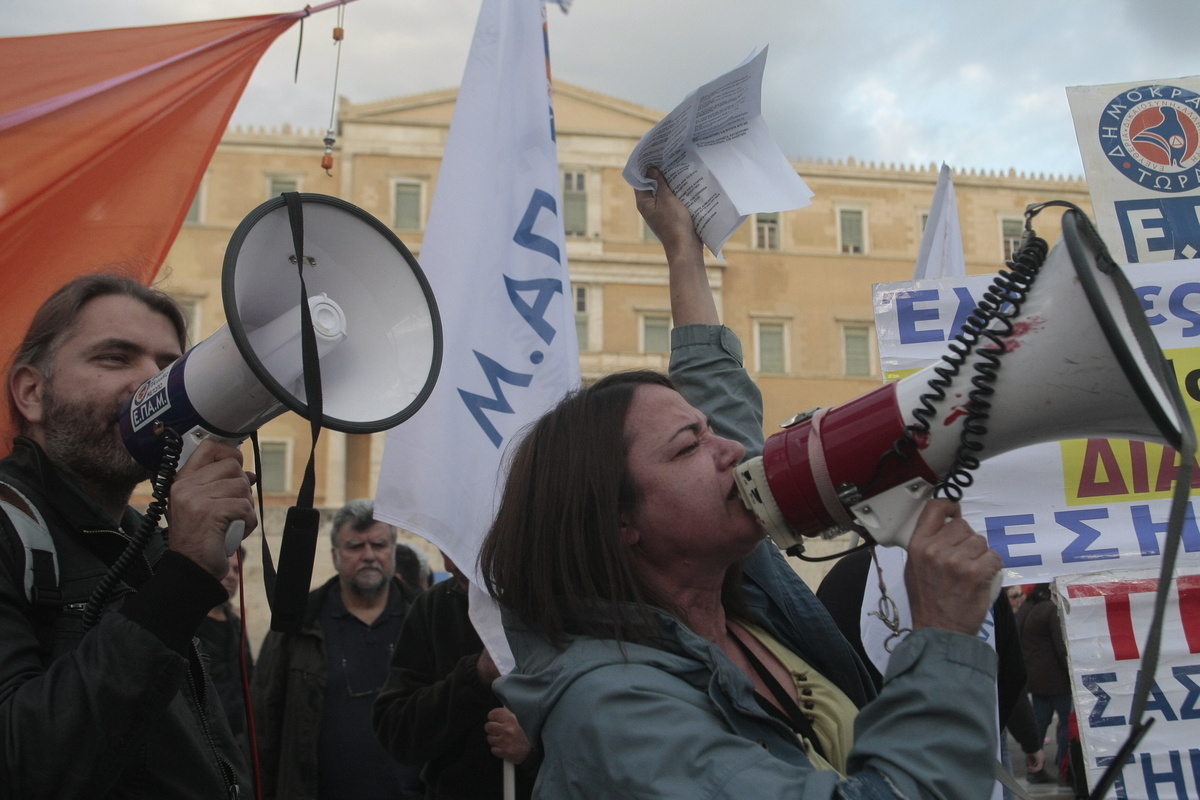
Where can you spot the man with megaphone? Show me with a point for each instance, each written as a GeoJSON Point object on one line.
{"type": "Point", "coordinates": [102, 690]}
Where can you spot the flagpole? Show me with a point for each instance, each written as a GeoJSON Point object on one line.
{"type": "Point", "coordinates": [304, 12]}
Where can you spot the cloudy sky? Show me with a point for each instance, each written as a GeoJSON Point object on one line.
{"type": "Point", "coordinates": [975, 83]}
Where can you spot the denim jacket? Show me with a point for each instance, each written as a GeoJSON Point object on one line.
{"type": "Point", "coordinates": [635, 721]}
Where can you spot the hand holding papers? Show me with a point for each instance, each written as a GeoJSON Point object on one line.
{"type": "Point", "coordinates": [718, 156]}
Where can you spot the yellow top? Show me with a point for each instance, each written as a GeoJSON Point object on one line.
{"type": "Point", "coordinates": [829, 710]}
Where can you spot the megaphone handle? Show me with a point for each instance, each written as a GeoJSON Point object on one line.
{"type": "Point", "coordinates": [234, 535]}
{"type": "Point", "coordinates": [191, 440]}
{"type": "Point", "coordinates": [890, 517]}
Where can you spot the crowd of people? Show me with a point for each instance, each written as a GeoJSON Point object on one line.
{"type": "Point", "coordinates": [663, 646]}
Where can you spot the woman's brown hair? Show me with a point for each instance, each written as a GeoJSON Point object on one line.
{"type": "Point", "coordinates": [554, 555]}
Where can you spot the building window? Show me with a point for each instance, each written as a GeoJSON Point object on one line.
{"type": "Point", "coordinates": [924, 221]}
{"type": "Point", "coordinates": [656, 333]}
{"type": "Point", "coordinates": [406, 215]}
{"type": "Point", "coordinates": [856, 341]}
{"type": "Point", "coordinates": [771, 347]}
{"type": "Point", "coordinates": [1011, 230]}
{"type": "Point", "coordinates": [852, 230]}
{"type": "Point", "coordinates": [276, 466]}
{"type": "Point", "coordinates": [278, 184]}
{"type": "Point", "coordinates": [575, 206]}
{"type": "Point", "coordinates": [581, 316]}
{"type": "Point", "coordinates": [766, 231]}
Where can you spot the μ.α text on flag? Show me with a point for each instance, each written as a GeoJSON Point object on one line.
{"type": "Point", "coordinates": [495, 255]}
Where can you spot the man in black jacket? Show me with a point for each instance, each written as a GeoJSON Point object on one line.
{"type": "Point", "coordinates": [313, 689]}
{"type": "Point", "coordinates": [123, 707]}
{"type": "Point", "coordinates": [438, 710]}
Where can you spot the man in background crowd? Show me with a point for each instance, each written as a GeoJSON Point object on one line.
{"type": "Point", "coordinates": [220, 635]}
{"type": "Point", "coordinates": [413, 568]}
{"type": "Point", "coordinates": [313, 689]}
{"type": "Point", "coordinates": [437, 708]}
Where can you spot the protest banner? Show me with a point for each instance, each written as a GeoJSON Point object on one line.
{"type": "Point", "coordinates": [1140, 144]}
{"type": "Point", "coordinates": [495, 255]}
{"type": "Point", "coordinates": [1105, 616]}
{"type": "Point", "coordinates": [1063, 507]}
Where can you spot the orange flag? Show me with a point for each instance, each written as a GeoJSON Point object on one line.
{"type": "Point", "coordinates": [104, 138]}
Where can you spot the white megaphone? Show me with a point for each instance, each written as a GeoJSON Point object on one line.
{"type": "Point", "coordinates": [374, 321]}
{"type": "Point", "coordinates": [1077, 360]}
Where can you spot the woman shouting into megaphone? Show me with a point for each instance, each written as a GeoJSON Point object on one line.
{"type": "Point", "coordinates": [665, 648]}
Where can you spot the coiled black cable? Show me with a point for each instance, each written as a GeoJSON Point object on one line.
{"type": "Point", "coordinates": [160, 491]}
{"type": "Point", "coordinates": [990, 322]}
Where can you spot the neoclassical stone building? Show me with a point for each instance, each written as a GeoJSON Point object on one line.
{"type": "Point", "coordinates": [795, 286]}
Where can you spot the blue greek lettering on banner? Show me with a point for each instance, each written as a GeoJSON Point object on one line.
{"type": "Point", "coordinates": [535, 314]}
{"type": "Point", "coordinates": [1096, 718]}
{"type": "Point", "coordinates": [525, 236]}
{"type": "Point", "coordinates": [1085, 535]}
{"type": "Point", "coordinates": [477, 404]}
{"type": "Point", "coordinates": [532, 299]}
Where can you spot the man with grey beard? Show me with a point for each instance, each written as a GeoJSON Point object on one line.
{"type": "Point", "coordinates": [121, 705]}
{"type": "Point", "coordinates": [314, 689]}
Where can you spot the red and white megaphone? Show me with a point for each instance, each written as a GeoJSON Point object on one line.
{"type": "Point", "coordinates": [1077, 360]}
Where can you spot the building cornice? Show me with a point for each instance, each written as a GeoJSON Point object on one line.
{"type": "Point", "coordinates": [852, 168]}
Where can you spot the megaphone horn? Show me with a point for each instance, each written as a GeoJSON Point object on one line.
{"type": "Point", "coordinates": [1071, 356]}
{"type": "Point", "coordinates": [375, 324]}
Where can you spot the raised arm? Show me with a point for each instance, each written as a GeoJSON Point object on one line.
{"type": "Point", "coordinates": [691, 298]}
{"type": "Point", "coordinates": [916, 737]}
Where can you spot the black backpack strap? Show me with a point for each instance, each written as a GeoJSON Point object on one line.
{"type": "Point", "coordinates": [41, 575]}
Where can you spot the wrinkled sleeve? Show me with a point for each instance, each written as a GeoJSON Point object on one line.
{"type": "Point", "coordinates": [931, 731]}
{"type": "Point", "coordinates": [419, 715]}
{"type": "Point", "coordinates": [71, 726]}
{"type": "Point", "coordinates": [706, 366]}
{"type": "Point", "coordinates": [916, 739]}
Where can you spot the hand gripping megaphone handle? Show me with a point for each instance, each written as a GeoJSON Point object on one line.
{"type": "Point", "coordinates": [236, 531]}
{"type": "Point", "coordinates": [890, 517]}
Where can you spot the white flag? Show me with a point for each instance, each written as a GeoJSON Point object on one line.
{"type": "Point", "coordinates": [495, 256]}
{"type": "Point", "coordinates": [941, 253]}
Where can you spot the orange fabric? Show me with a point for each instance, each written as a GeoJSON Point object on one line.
{"type": "Point", "coordinates": [104, 138]}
